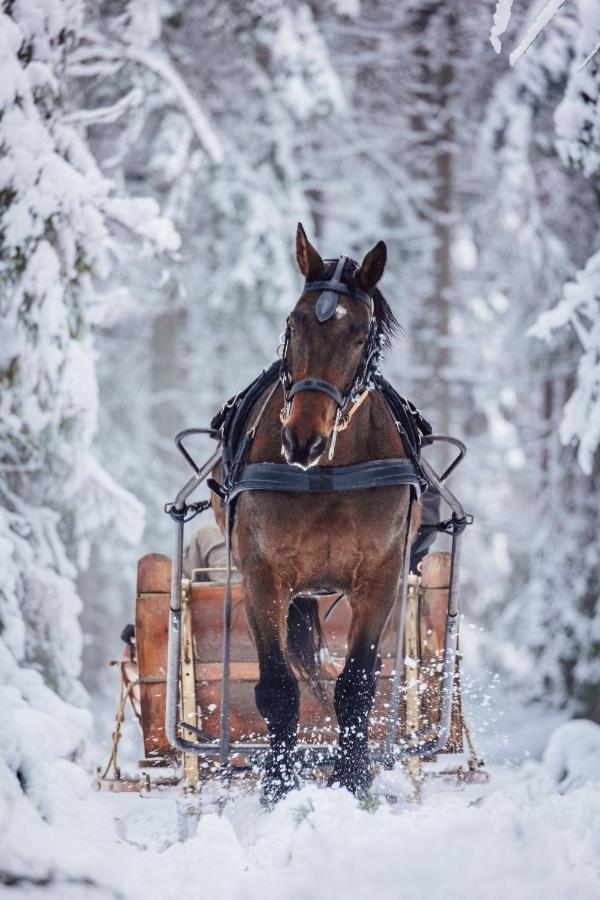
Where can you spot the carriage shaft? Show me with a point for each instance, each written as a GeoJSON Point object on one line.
{"type": "Point", "coordinates": [174, 637]}
{"type": "Point", "coordinates": [406, 742]}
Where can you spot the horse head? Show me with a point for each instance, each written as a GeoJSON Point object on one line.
{"type": "Point", "coordinates": [333, 339]}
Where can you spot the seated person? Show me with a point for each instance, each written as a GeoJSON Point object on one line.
{"type": "Point", "coordinates": [430, 515]}
{"type": "Point", "coordinates": [206, 550]}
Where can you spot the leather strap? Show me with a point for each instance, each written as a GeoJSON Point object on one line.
{"type": "Point", "coordinates": [346, 418]}
{"type": "Point", "coordinates": [338, 287]}
{"type": "Point", "coordinates": [327, 302]}
{"type": "Point", "coordinates": [315, 384]}
{"type": "Point", "coordinates": [321, 479]}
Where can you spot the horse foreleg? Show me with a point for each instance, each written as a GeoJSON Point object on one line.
{"type": "Point", "coordinates": [355, 686]}
{"type": "Point", "coordinates": [277, 693]}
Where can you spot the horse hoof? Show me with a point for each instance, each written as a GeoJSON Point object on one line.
{"type": "Point", "coordinates": [356, 775]}
{"type": "Point", "coordinates": [279, 777]}
{"type": "Point", "coordinates": [274, 789]}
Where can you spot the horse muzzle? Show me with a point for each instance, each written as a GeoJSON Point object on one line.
{"type": "Point", "coordinates": [302, 453]}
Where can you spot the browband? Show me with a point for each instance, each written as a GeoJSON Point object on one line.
{"type": "Point", "coordinates": [330, 290]}
{"type": "Point", "coordinates": [338, 287]}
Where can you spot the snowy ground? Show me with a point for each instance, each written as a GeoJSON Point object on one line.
{"type": "Point", "coordinates": [528, 833]}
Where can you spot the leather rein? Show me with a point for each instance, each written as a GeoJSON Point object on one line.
{"type": "Point", "coordinates": [350, 400]}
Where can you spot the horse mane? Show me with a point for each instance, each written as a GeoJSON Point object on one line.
{"type": "Point", "coordinates": [387, 323]}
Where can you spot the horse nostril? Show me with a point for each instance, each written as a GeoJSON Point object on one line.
{"type": "Point", "coordinates": [316, 447]}
{"type": "Point", "coordinates": [289, 441]}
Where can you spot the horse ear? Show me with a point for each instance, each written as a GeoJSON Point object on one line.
{"type": "Point", "coordinates": [372, 267]}
{"type": "Point", "coordinates": [309, 262]}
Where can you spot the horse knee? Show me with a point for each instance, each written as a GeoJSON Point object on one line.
{"type": "Point", "coordinates": [277, 699]}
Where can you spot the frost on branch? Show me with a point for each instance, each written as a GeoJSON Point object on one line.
{"type": "Point", "coordinates": [541, 20]}
{"type": "Point", "coordinates": [577, 117]}
{"type": "Point", "coordinates": [577, 120]}
{"type": "Point", "coordinates": [580, 308]}
{"type": "Point", "coordinates": [501, 22]}
{"type": "Point", "coordinates": [304, 78]}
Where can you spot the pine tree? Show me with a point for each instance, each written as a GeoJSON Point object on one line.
{"type": "Point", "coordinates": [58, 226]}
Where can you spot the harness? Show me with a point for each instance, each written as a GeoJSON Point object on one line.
{"type": "Point", "coordinates": [325, 307]}
{"type": "Point", "coordinates": [321, 479]}
{"type": "Point", "coordinates": [232, 423]}
{"type": "Point", "coordinates": [231, 427]}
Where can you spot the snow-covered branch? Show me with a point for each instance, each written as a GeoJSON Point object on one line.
{"type": "Point", "coordinates": [501, 22]}
{"type": "Point", "coordinates": [105, 115]}
{"type": "Point", "coordinates": [94, 50]}
{"type": "Point", "coordinates": [535, 29]}
{"type": "Point", "coordinates": [580, 307]}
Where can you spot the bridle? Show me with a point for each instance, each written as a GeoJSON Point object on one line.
{"type": "Point", "coordinates": [325, 307]}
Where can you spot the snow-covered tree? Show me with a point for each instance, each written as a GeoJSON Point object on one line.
{"type": "Point", "coordinates": [208, 325]}
{"type": "Point", "coordinates": [59, 237]}
{"type": "Point", "coordinates": [536, 227]}
{"type": "Point", "coordinates": [577, 120]}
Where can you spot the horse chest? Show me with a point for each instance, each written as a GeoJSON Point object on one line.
{"type": "Point", "coordinates": [322, 532]}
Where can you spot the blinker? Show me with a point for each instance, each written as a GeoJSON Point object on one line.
{"type": "Point", "coordinates": [327, 301]}
{"type": "Point", "coordinates": [330, 290]}
{"type": "Point", "coordinates": [326, 305]}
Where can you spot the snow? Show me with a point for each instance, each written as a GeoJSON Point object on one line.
{"type": "Point", "coordinates": [580, 308]}
{"type": "Point", "coordinates": [128, 145]}
{"type": "Point", "coordinates": [572, 757]}
{"type": "Point", "coordinates": [501, 21]}
{"type": "Point", "coordinates": [521, 835]}
{"type": "Point", "coordinates": [350, 8]}
{"type": "Point", "coordinates": [58, 246]}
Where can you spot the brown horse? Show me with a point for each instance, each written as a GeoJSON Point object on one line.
{"type": "Point", "coordinates": [294, 544]}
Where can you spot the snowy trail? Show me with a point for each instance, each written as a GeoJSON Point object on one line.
{"type": "Point", "coordinates": [532, 832]}
{"type": "Point", "coordinates": [517, 836]}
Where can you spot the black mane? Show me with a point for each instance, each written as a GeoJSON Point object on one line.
{"type": "Point", "coordinates": [387, 322]}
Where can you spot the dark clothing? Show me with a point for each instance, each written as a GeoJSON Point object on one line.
{"type": "Point", "coordinates": [430, 515]}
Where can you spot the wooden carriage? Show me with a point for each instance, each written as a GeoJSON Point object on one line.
{"type": "Point", "coordinates": [201, 669]}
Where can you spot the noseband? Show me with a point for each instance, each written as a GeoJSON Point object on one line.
{"type": "Point", "coordinates": [325, 308]}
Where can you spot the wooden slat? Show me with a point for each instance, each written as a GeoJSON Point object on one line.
{"type": "Point", "coordinates": [151, 626]}
{"type": "Point", "coordinates": [188, 699]}
{"type": "Point", "coordinates": [435, 579]}
{"type": "Point", "coordinates": [154, 574]}
{"type": "Point", "coordinates": [248, 671]}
